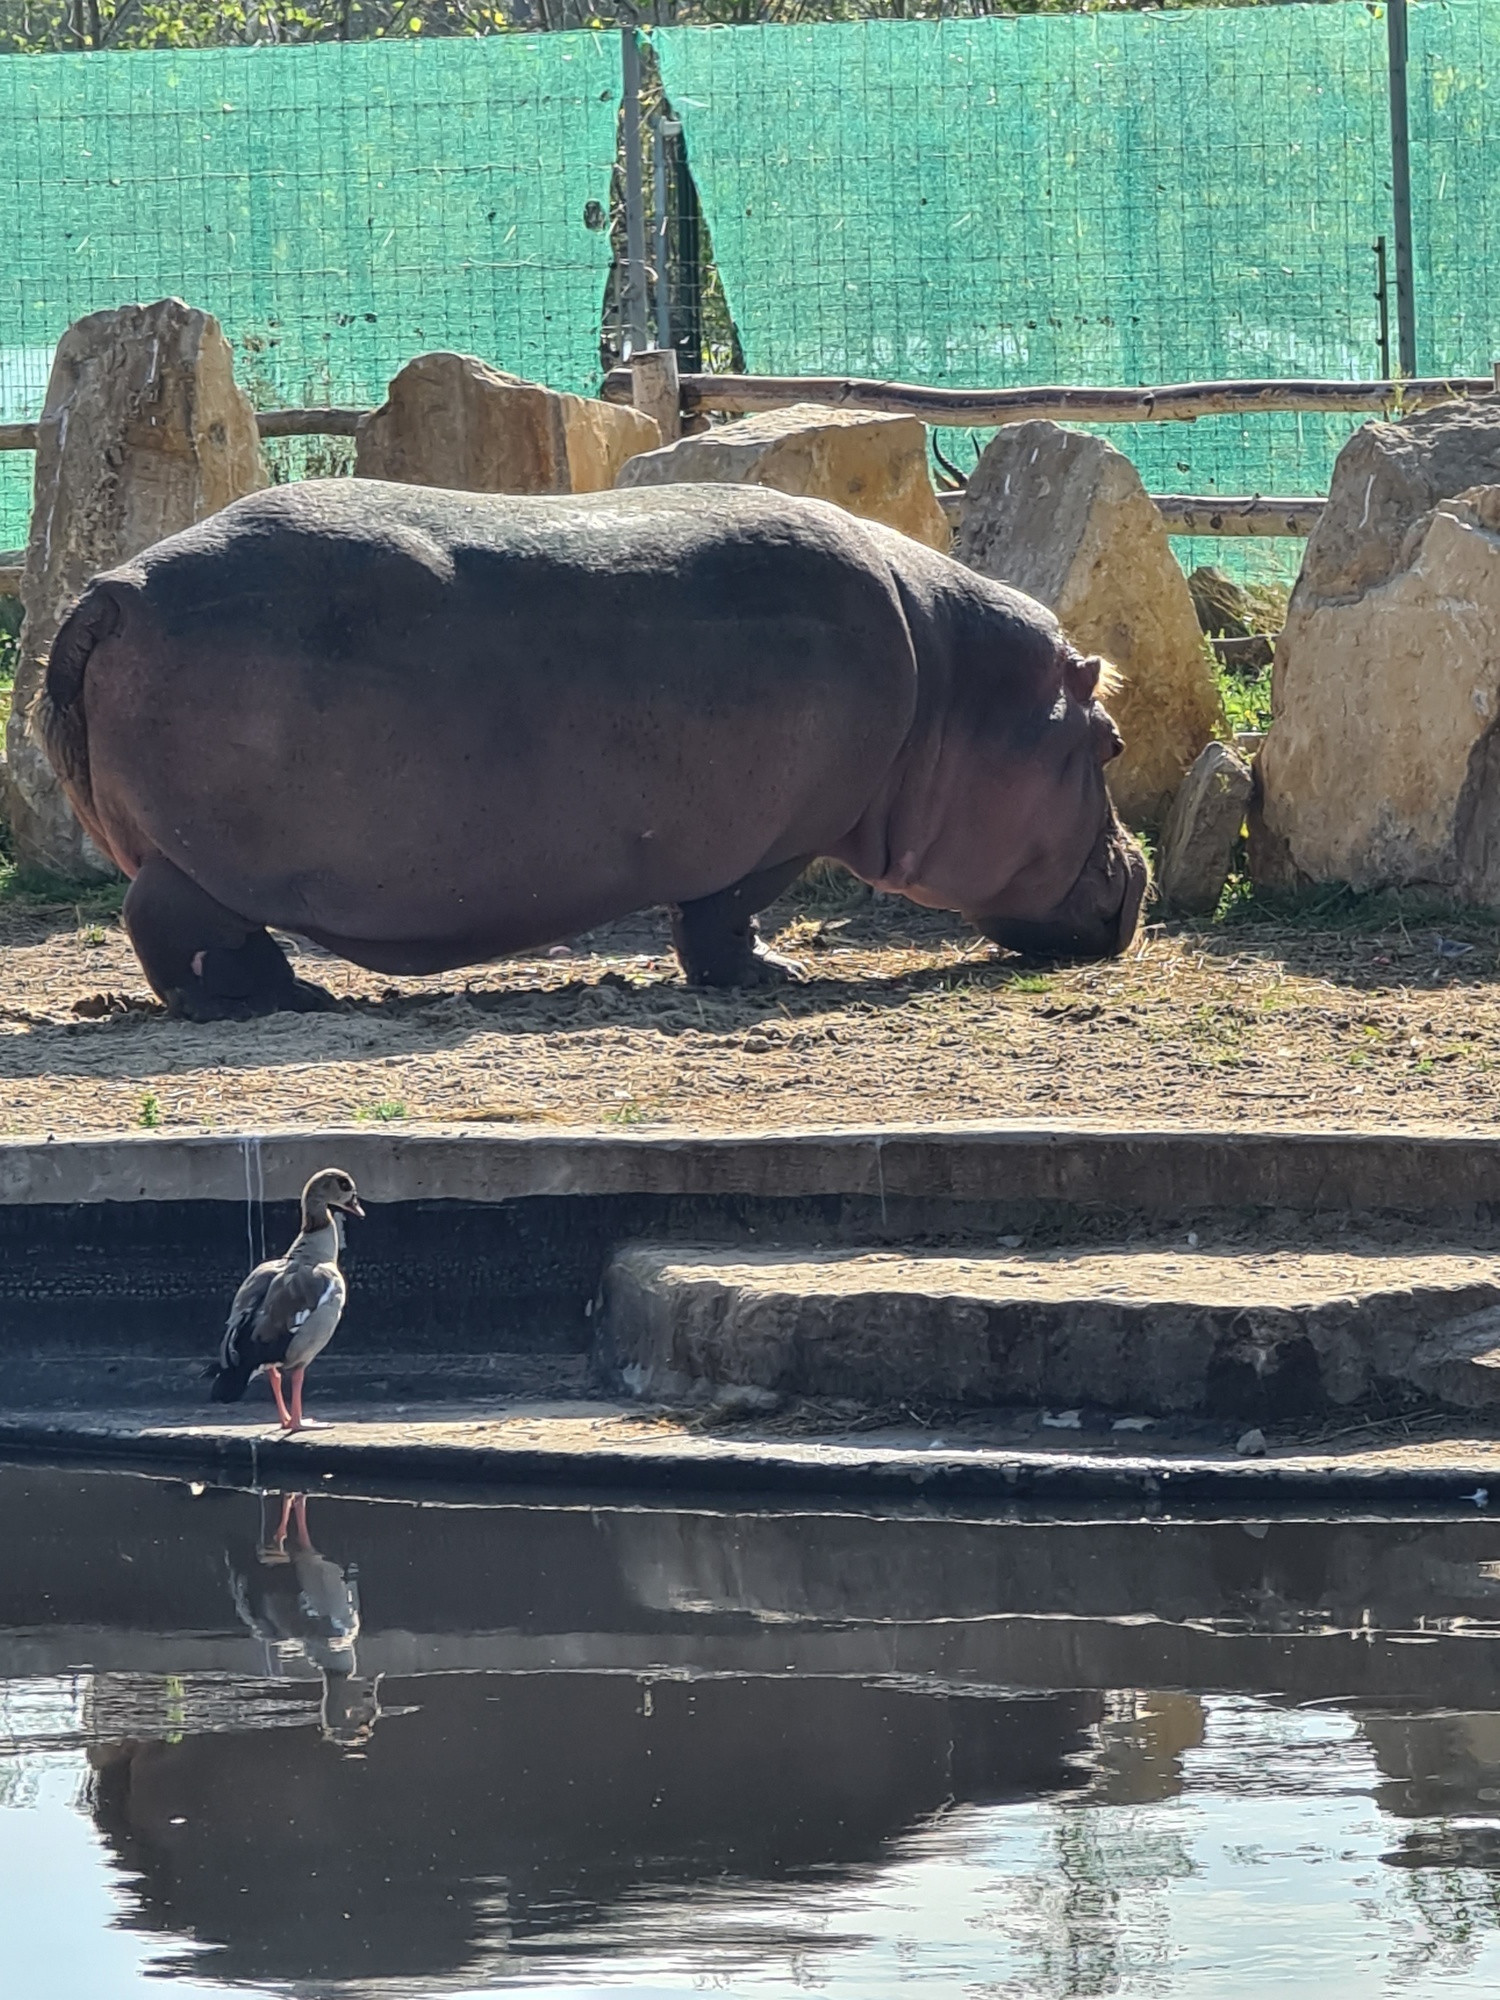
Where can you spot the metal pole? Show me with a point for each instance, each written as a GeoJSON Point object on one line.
{"type": "Point", "coordinates": [1406, 312]}
{"type": "Point", "coordinates": [636, 333]}
{"type": "Point", "coordinates": [662, 233]}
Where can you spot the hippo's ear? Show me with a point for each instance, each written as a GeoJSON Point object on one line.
{"type": "Point", "coordinates": [1088, 678]}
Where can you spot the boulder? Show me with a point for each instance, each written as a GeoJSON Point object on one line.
{"type": "Point", "coordinates": [870, 465]}
{"type": "Point", "coordinates": [142, 433]}
{"type": "Point", "coordinates": [452, 420]}
{"type": "Point", "coordinates": [1064, 517]}
{"type": "Point", "coordinates": [1198, 840]}
{"type": "Point", "coordinates": [1382, 768]}
{"type": "Point", "coordinates": [1223, 608]}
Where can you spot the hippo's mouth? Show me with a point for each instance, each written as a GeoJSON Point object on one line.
{"type": "Point", "coordinates": [1099, 916]}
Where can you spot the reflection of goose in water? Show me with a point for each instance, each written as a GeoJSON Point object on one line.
{"type": "Point", "coordinates": [302, 1605]}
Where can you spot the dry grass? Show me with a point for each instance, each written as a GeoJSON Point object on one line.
{"type": "Point", "coordinates": [1354, 1018]}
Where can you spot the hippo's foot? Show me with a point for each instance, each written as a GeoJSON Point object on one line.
{"type": "Point", "coordinates": [204, 962]}
{"type": "Point", "coordinates": [717, 940]}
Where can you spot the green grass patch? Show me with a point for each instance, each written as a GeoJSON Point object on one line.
{"type": "Point", "coordinates": [1338, 908]}
{"type": "Point", "coordinates": [637, 1111]}
{"type": "Point", "coordinates": [386, 1112]}
{"type": "Point", "coordinates": [91, 900]}
{"type": "Point", "coordinates": [150, 1114]}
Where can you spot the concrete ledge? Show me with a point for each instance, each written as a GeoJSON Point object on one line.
{"type": "Point", "coordinates": [584, 1452]}
{"type": "Point", "coordinates": [1149, 1172]}
{"type": "Point", "coordinates": [1253, 1332]}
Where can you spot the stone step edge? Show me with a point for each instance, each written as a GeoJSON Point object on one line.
{"type": "Point", "coordinates": [1157, 1486]}
{"type": "Point", "coordinates": [672, 1333]}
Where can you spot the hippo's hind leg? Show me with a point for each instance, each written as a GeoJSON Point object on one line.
{"type": "Point", "coordinates": [717, 940]}
{"type": "Point", "coordinates": [205, 963]}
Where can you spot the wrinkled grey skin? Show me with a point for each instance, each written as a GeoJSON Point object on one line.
{"type": "Point", "coordinates": [425, 729]}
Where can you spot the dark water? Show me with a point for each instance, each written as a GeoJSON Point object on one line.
{"type": "Point", "coordinates": [411, 1750]}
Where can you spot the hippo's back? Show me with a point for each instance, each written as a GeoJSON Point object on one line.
{"type": "Point", "coordinates": [373, 711]}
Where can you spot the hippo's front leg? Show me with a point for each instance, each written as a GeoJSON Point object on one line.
{"type": "Point", "coordinates": [717, 940]}
{"type": "Point", "coordinates": [205, 963]}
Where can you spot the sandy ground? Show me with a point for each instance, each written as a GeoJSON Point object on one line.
{"type": "Point", "coordinates": [903, 1016]}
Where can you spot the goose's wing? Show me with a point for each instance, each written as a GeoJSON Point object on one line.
{"type": "Point", "coordinates": [275, 1302]}
{"type": "Point", "coordinates": [244, 1311]}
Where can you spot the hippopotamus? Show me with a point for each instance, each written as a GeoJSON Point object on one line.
{"type": "Point", "coordinates": [424, 729]}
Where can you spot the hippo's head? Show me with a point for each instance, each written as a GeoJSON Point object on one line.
{"type": "Point", "coordinates": [1079, 891]}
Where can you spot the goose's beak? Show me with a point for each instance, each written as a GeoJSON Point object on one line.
{"type": "Point", "coordinates": [352, 1207]}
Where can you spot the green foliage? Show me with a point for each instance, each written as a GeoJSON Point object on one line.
{"type": "Point", "coordinates": [386, 1112]}
{"type": "Point", "coordinates": [10, 647]}
{"type": "Point", "coordinates": [150, 1112]}
{"type": "Point", "coordinates": [1247, 701]}
{"type": "Point", "coordinates": [31, 27]}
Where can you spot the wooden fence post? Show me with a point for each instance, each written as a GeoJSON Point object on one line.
{"type": "Point", "coordinates": [654, 390]}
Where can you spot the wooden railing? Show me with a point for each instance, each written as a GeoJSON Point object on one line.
{"type": "Point", "coordinates": [1176, 402]}
{"type": "Point", "coordinates": [1214, 513]}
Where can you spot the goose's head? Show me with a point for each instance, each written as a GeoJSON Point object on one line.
{"type": "Point", "coordinates": [326, 1191]}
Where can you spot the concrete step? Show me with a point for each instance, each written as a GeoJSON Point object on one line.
{"type": "Point", "coordinates": [1254, 1333]}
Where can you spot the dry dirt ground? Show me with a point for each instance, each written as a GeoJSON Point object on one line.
{"type": "Point", "coordinates": [903, 1016]}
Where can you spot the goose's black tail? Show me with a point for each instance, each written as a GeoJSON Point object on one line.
{"type": "Point", "coordinates": [230, 1379]}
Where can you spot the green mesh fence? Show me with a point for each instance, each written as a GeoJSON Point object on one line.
{"type": "Point", "coordinates": [1110, 198]}
{"type": "Point", "coordinates": [1058, 198]}
{"type": "Point", "coordinates": [1454, 87]}
{"type": "Point", "coordinates": [340, 208]}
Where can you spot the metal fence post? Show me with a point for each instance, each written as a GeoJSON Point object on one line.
{"type": "Point", "coordinates": [662, 232]}
{"type": "Point", "coordinates": [636, 297]}
{"type": "Point", "coordinates": [1406, 311]}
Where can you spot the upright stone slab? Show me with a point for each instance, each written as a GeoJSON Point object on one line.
{"type": "Point", "coordinates": [873, 466]}
{"type": "Point", "coordinates": [1198, 840]}
{"type": "Point", "coordinates": [143, 433]}
{"type": "Point", "coordinates": [1065, 518]}
{"type": "Point", "coordinates": [1382, 765]}
{"type": "Point", "coordinates": [452, 420]}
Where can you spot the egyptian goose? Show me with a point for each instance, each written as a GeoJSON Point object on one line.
{"type": "Point", "coordinates": [284, 1314]}
{"type": "Point", "coordinates": [299, 1603]}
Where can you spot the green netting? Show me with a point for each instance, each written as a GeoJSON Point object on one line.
{"type": "Point", "coordinates": [1454, 86]}
{"type": "Point", "coordinates": [1101, 198]}
{"type": "Point", "coordinates": [340, 208]}
{"type": "Point", "coordinates": [1057, 198]}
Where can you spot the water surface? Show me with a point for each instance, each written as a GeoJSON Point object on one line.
{"type": "Point", "coordinates": [325, 1746]}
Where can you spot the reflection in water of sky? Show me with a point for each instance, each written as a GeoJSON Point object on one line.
{"type": "Point", "coordinates": [777, 1803]}
{"type": "Point", "coordinates": [1270, 1886]}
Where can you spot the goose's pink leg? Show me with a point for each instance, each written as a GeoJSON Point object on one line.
{"type": "Point", "coordinates": [297, 1375]}
{"type": "Point", "coordinates": [288, 1422]}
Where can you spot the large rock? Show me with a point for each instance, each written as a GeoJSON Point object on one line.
{"type": "Point", "coordinates": [452, 420]}
{"type": "Point", "coordinates": [873, 466]}
{"type": "Point", "coordinates": [1198, 840]}
{"type": "Point", "coordinates": [142, 433]}
{"type": "Point", "coordinates": [1382, 767]}
{"type": "Point", "coordinates": [1065, 518]}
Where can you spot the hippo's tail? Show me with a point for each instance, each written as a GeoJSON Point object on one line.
{"type": "Point", "coordinates": [57, 719]}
